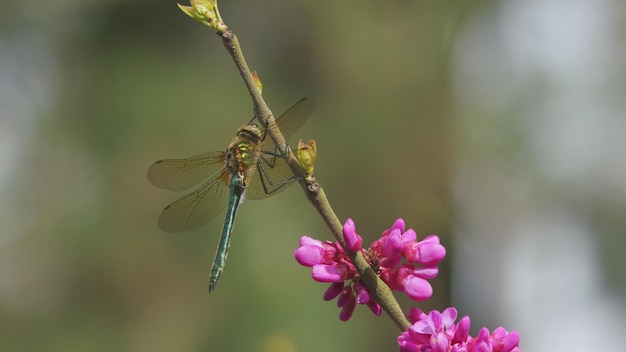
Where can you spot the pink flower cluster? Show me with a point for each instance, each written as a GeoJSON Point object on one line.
{"type": "Point", "coordinates": [437, 332]}
{"type": "Point", "coordinates": [329, 263]}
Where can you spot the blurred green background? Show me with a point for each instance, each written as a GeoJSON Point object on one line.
{"type": "Point", "coordinates": [439, 112]}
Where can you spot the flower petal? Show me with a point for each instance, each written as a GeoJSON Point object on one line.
{"type": "Point", "coordinates": [417, 288]}
{"type": "Point", "coordinates": [329, 273]}
{"type": "Point", "coordinates": [348, 309]}
{"type": "Point", "coordinates": [354, 242]}
{"type": "Point", "coordinates": [333, 291]}
{"type": "Point", "coordinates": [309, 255]}
{"type": "Point", "coordinates": [393, 245]}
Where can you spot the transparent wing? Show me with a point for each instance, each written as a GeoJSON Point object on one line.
{"type": "Point", "coordinates": [180, 174]}
{"type": "Point", "coordinates": [197, 208]}
{"type": "Point", "coordinates": [291, 120]}
{"type": "Point", "coordinates": [272, 175]}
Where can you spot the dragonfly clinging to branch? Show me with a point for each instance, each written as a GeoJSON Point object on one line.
{"type": "Point", "coordinates": [247, 167]}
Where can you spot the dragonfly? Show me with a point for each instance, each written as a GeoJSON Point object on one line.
{"type": "Point", "coordinates": [251, 165]}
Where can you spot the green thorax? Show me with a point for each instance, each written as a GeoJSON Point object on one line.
{"type": "Point", "coordinates": [244, 152]}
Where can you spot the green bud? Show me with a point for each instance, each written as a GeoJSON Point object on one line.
{"type": "Point", "coordinates": [206, 12]}
{"type": "Point", "coordinates": [306, 155]}
{"type": "Point", "coordinates": [257, 81]}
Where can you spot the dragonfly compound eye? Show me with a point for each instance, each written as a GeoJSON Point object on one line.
{"type": "Point", "coordinates": [251, 133]}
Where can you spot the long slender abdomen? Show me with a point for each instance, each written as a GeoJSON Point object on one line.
{"type": "Point", "coordinates": [237, 188]}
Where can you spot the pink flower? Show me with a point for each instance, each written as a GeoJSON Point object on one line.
{"type": "Point", "coordinates": [330, 273]}
{"type": "Point", "coordinates": [498, 341]}
{"type": "Point", "coordinates": [310, 252]}
{"type": "Point", "coordinates": [393, 256]}
{"type": "Point", "coordinates": [353, 240]}
{"type": "Point", "coordinates": [333, 291]}
{"type": "Point", "coordinates": [426, 252]}
{"type": "Point", "coordinates": [437, 332]}
{"type": "Point", "coordinates": [417, 288]}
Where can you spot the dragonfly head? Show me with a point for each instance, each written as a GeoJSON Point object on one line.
{"type": "Point", "coordinates": [250, 133]}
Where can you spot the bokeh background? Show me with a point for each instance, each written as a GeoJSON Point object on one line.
{"type": "Point", "coordinates": [499, 125]}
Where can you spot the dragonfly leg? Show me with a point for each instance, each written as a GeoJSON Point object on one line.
{"type": "Point", "coordinates": [269, 185]}
{"type": "Point", "coordinates": [271, 161]}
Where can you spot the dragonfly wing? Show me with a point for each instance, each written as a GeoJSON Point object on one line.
{"type": "Point", "coordinates": [180, 174]}
{"type": "Point", "coordinates": [197, 208]}
{"type": "Point", "coordinates": [292, 119]}
{"type": "Point", "coordinates": [272, 175]}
